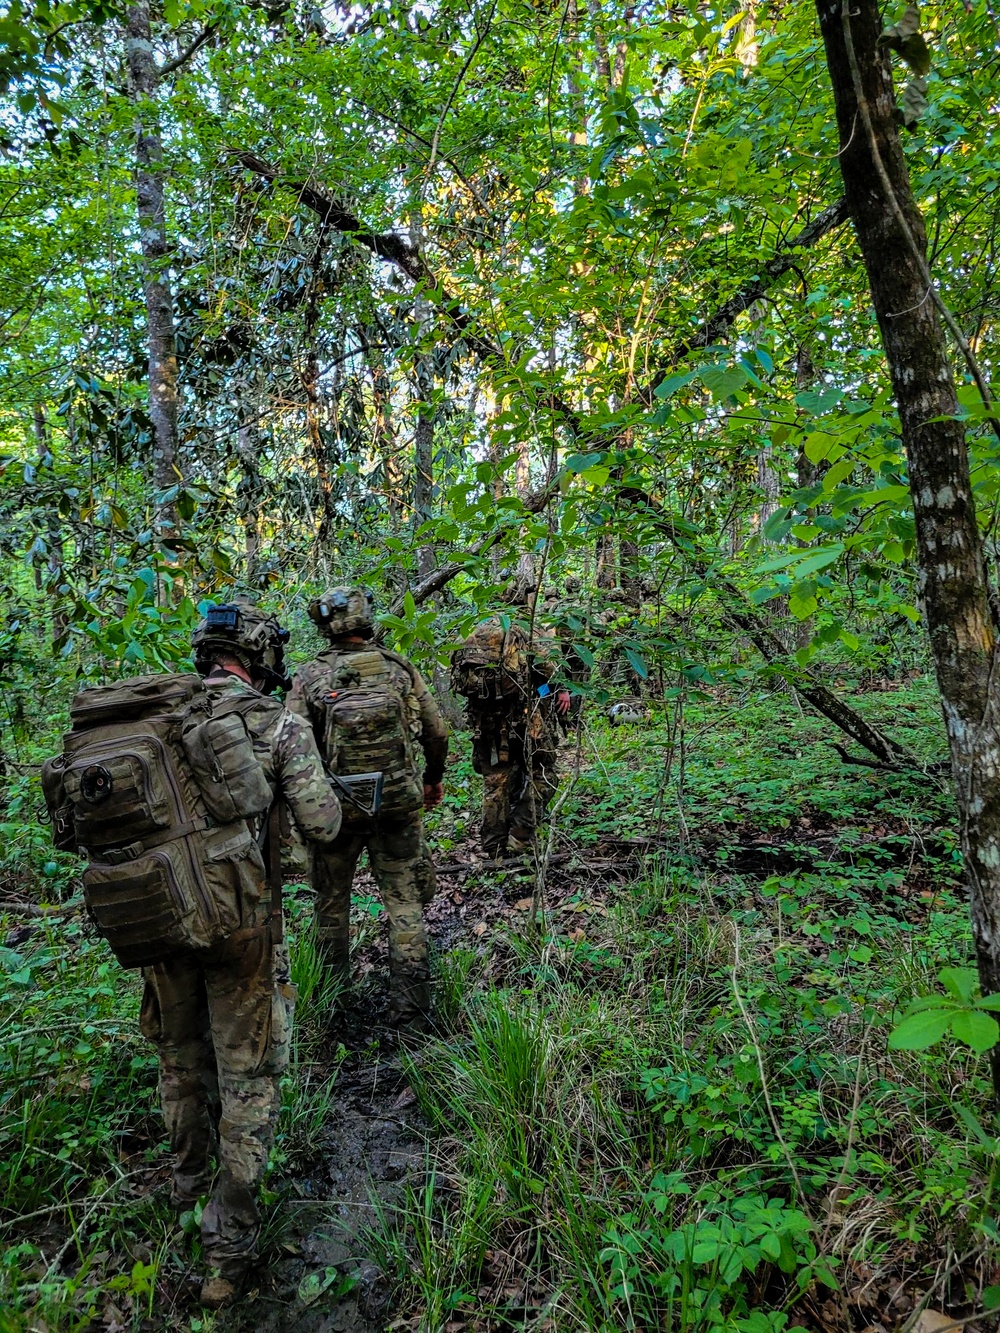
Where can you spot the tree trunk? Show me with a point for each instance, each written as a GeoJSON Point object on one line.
{"type": "Point", "coordinates": [248, 492]}
{"type": "Point", "coordinates": [423, 436]}
{"type": "Point", "coordinates": [386, 446]}
{"type": "Point", "coordinates": [952, 583]}
{"type": "Point", "coordinates": [807, 474]}
{"type": "Point", "coordinates": [53, 532]}
{"type": "Point", "coordinates": [163, 397]}
{"type": "Point", "coordinates": [317, 447]}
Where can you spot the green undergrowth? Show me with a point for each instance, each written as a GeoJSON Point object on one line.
{"type": "Point", "coordinates": [602, 1153]}
{"type": "Point", "coordinates": [677, 1110]}
{"type": "Point", "coordinates": [723, 769]}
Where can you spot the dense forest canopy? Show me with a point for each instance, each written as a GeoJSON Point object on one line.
{"type": "Point", "coordinates": [419, 263]}
{"type": "Point", "coordinates": [693, 304]}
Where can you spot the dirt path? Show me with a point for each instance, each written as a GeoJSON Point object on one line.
{"type": "Point", "coordinates": [320, 1278]}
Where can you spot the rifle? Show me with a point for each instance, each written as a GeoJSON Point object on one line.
{"type": "Point", "coordinates": [355, 787]}
{"type": "Point", "coordinates": [352, 787]}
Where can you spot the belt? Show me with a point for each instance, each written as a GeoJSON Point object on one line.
{"type": "Point", "coordinates": [116, 856]}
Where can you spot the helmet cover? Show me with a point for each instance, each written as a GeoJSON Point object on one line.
{"type": "Point", "coordinates": [254, 637]}
{"type": "Point", "coordinates": [342, 611]}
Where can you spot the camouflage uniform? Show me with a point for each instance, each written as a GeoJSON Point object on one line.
{"type": "Point", "coordinates": [515, 740]}
{"type": "Point", "coordinates": [397, 850]}
{"type": "Point", "coordinates": [221, 1018]}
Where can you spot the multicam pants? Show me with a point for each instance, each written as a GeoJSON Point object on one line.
{"type": "Point", "coordinates": [403, 870]}
{"type": "Point", "coordinates": [221, 1022]}
{"type": "Point", "coordinates": [517, 762]}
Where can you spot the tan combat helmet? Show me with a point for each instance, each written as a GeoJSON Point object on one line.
{"type": "Point", "coordinates": [341, 611]}
{"type": "Point", "coordinates": [572, 585]}
{"type": "Point", "coordinates": [254, 637]}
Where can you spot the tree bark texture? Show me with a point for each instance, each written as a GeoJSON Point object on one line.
{"type": "Point", "coordinates": [144, 78]}
{"type": "Point", "coordinates": [952, 582]}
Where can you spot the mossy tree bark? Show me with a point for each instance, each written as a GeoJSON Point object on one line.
{"type": "Point", "coordinates": [953, 585]}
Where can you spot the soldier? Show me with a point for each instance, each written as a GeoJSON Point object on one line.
{"type": "Point", "coordinates": [220, 1018]}
{"type": "Point", "coordinates": [371, 712]}
{"type": "Point", "coordinates": [504, 676]}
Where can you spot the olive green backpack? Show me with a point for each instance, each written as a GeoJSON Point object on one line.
{"type": "Point", "coordinates": [492, 663]}
{"type": "Point", "coordinates": [156, 790]}
{"type": "Point", "coordinates": [366, 720]}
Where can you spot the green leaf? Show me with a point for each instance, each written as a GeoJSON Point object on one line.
{"type": "Point", "coordinates": [818, 560]}
{"type": "Point", "coordinates": [637, 664]}
{"type": "Point", "coordinates": [919, 1031]}
{"type": "Point", "coordinates": [960, 982]}
{"type": "Point", "coordinates": [669, 386]}
{"type": "Point", "coordinates": [581, 462]}
{"type": "Point", "coordinates": [975, 1029]}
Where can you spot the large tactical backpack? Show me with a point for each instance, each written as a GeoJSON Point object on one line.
{"type": "Point", "coordinates": [367, 720]}
{"type": "Point", "coordinates": [492, 663]}
{"type": "Point", "coordinates": [156, 791]}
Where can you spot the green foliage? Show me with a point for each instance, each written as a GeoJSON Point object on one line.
{"type": "Point", "coordinates": [960, 1011]}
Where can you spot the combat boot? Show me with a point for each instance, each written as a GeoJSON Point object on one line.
{"type": "Point", "coordinates": [521, 841]}
{"type": "Point", "coordinates": [223, 1287]}
{"type": "Point", "coordinates": [409, 1002]}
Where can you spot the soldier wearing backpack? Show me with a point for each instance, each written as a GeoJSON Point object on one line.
{"type": "Point", "coordinates": [503, 670]}
{"type": "Point", "coordinates": [371, 713]}
{"type": "Point", "coordinates": [165, 784]}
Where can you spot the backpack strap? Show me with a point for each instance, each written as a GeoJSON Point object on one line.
{"type": "Point", "coordinates": [273, 827]}
{"type": "Point", "coordinates": [116, 856]}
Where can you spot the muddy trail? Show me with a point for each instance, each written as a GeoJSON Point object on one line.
{"type": "Point", "coordinates": [318, 1274]}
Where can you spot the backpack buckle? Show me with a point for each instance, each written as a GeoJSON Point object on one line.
{"type": "Point", "coordinates": [116, 856]}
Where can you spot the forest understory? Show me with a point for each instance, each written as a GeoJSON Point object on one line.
{"type": "Point", "coordinates": [659, 1093]}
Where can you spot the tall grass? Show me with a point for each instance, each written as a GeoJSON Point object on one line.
{"type": "Point", "coordinates": [641, 1127]}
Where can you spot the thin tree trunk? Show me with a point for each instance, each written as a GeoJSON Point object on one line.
{"type": "Point", "coordinates": [317, 446]}
{"type": "Point", "coordinates": [144, 77]}
{"type": "Point", "coordinates": [53, 533]}
{"type": "Point", "coordinates": [952, 583]}
{"type": "Point", "coordinates": [248, 493]}
{"type": "Point", "coordinates": [602, 62]}
{"type": "Point", "coordinates": [807, 474]}
{"type": "Point", "coordinates": [386, 446]}
{"type": "Point", "coordinates": [423, 436]}
{"type": "Point", "coordinates": [526, 575]}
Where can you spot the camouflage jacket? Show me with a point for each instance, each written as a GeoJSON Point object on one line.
{"type": "Point", "coordinates": [289, 757]}
{"type": "Point", "coordinates": [432, 730]}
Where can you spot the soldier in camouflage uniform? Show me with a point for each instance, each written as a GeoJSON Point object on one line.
{"type": "Point", "coordinates": [221, 1018]}
{"type": "Point", "coordinates": [355, 667]}
{"type": "Point", "coordinates": [514, 728]}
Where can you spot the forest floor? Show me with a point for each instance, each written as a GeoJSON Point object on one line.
{"type": "Point", "coordinates": [667, 1101]}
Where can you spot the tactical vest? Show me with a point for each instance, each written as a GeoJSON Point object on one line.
{"type": "Point", "coordinates": [367, 720]}
{"type": "Point", "coordinates": [155, 788]}
{"type": "Point", "coordinates": [492, 663]}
